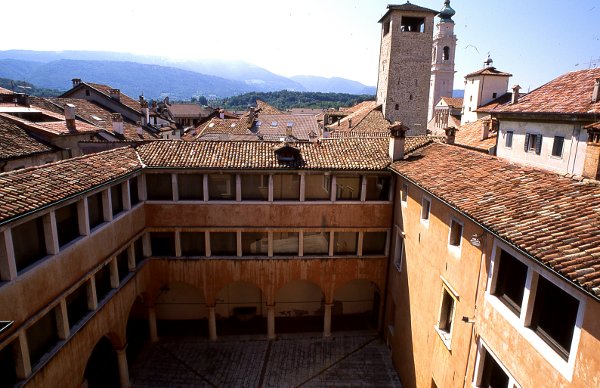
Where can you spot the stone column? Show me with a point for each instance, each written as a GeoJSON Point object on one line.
{"type": "Point", "coordinates": [212, 324]}
{"type": "Point", "coordinates": [327, 320]}
{"type": "Point", "coordinates": [152, 324]}
{"type": "Point", "coordinates": [22, 360]}
{"type": "Point", "coordinates": [271, 321]}
{"type": "Point", "coordinates": [123, 368]}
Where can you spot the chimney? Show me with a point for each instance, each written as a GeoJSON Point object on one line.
{"type": "Point", "coordinates": [338, 121]}
{"type": "Point", "coordinates": [70, 116]}
{"type": "Point", "coordinates": [596, 92]}
{"type": "Point", "coordinates": [145, 112]}
{"type": "Point", "coordinates": [139, 129]}
{"type": "Point", "coordinates": [591, 163]}
{"type": "Point", "coordinates": [450, 134]}
{"type": "Point", "coordinates": [397, 140]}
{"type": "Point", "coordinates": [485, 128]}
{"type": "Point", "coordinates": [515, 94]}
{"type": "Point", "coordinates": [349, 123]}
{"type": "Point", "coordinates": [115, 94]}
{"type": "Point", "coordinates": [221, 114]}
{"type": "Point", "coordinates": [117, 123]}
{"type": "Point", "coordinates": [288, 129]}
{"type": "Point", "coordinates": [76, 81]}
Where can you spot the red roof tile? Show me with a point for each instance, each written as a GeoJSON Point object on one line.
{"type": "Point", "coordinates": [469, 135]}
{"type": "Point", "coordinates": [488, 71]}
{"type": "Point", "coordinates": [15, 142]}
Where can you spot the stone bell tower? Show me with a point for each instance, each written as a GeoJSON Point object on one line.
{"type": "Point", "coordinates": [442, 62]}
{"type": "Point", "coordinates": [405, 65]}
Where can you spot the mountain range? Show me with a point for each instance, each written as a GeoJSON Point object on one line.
{"type": "Point", "coordinates": [156, 77]}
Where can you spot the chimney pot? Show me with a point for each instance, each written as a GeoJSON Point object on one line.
{"type": "Point", "coordinates": [70, 116]}
{"type": "Point", "coordinates": [450, 134]}
{"type": "Point", "coordinates": [596, 91]}
{"type": "Point", "coordinates": [485, 129]}
{"type": "Point", "coordinates": [76, 81]}
{"type": "Point", "coordinates": [139, 129]}
{"type": "Point", "coordinates": [115, 94]}
{"type": "Point", "coordinates": [117, 123]}
{"type": "Point", "coordinates": [515, 94]}
{"type": "Point", "coordinates": [349, 123]}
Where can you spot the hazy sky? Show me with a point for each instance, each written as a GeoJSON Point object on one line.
{"type": "Point", "coordinates": [534, 40]}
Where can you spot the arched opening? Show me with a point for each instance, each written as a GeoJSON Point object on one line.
{"type": "Point", "coordinates": [356, 306]}
{"type": "Point", "coordinates": [102, 369]}
{"type": "Point", "coordinates": [137, 331]}
{"type": "Point", "coordinates": [241, 308]}
{"type": "Point", "coordinates": [181, 311]}
{"type": "Point", "coordinates": [446, 53]}
{"type": "Point", "coordinates": [299, 307]}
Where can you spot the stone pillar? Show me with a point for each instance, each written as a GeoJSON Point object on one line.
{"type": "Point", "coordinates": [22, 360]}
{"type": "Point", "coordinates": [271, 321]}
{"type": "Point", "coordinates": [123, 368]}
{"type": "Point", "coordinates": [327, 320]}
{"type": "Point", "coordinates": [8, 265]}
{"type": "Point", "coordinates": [212, 323]}
{"type": "Point", "coordinates": [152, 324]}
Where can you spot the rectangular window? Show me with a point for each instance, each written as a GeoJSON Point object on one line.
{"type": "Point", "coordinates": [316, 243]}
{"type": "Point", "coordinates": [345, 243]}
{"type": "Point", "coordinates": [510, 281]}
{"type": "Point", "coordinates": [286, 187]}
{"type": "Point", "coordinates": [347, 188]}
{"type": "Point", "coordinates": [103, 286]}
{"type": "Point", "coordinates": [456, 230]}
{"type": "Point", "coordinates": [95, 209]}
{"type": "Point", "coordinates": [77, 305]}
{"type": "Point", "coordinates": [378, 188]}
{"type": "Point", "coordinates": [192, 244]}
{"type": "Point", "coordinates": [508, 139]}
{"type": "Point", "coordinates": [67, 224]}
{"type": "Point", "coordinates": [404, 193]}
{"type": "Point", "coordinates": [533, 143]}
{"type": "Point", "coordinates": [221, 187]}
{"type": "Point", "coordinates": [29, 243]}
{"type": "Point", "coordinates": [133, 191]}
{"type": "Point", "coordinates": [8, 368]}
{"type": "Point", "coordinates": [374, 243]}
{"type": "Point", "coordinates": [123, 265]}
{"type": "Point", "coordinates": [317, 187]}
{"type": "Point", "coordinates": [554, 316]}
{"type": "Point", "coordinates": [190, 187]}
{"type": "Point", "coordinates": [255, 187]}
{"type": "Point", "coordinates": [159, 187]}
{"type": "Point", "coordinates": [42, 336]}
{"type": "Point", "coordinates": [255, 243]}
{"type": "Point", "coordinates": [412, 24]}
{"type": "Point", "coordinates": [285, 243]}
{"type": "Point", "coordinates": [399, 251]}
{"type": "Point", "coordinates": [138, 247]}
{"type": "Point", "coordinates": [493, 375]}
{"type": "Point", "coordinates": [223, 243]}
{"type": "Point", "coordinates": [425, 208]}
{"type": "Point", "coordinates": [557, 146]}
{"type": "Point", "coordinates": [446, 319]}
{"type": "Point", "coordinates": [116, 199]}
{"type": "Point", "coordinates": [386, 27]}
{"type": "Point", "coordinates": [162, 243]}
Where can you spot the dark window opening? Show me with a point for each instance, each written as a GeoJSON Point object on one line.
{"type": "Point", "coordinates": [221, 187]}
{"type": "Point", "coordinates": [494, 95]}
{"type": "Point", "coordinates": [456, 230]}
{"type": "Point", "coordinates": [123, 265]}
{"type": "Point", "coordinates": [87, 92]}
{"type": "Point", "coordinates": [191, 187]}
{"type": "Point", "coordinates": [345, 243]}
{"type": "Point", "coordinates": [378, 188]}
{"type": "Point", "coordinates": [557, 146]}
{"type": "Point", "coordinates": [509, 139]}
{"type": "Point", "coordinates": [510, 281]}
{"type": "Point", "coordinates": [410, 97]}
{"type": "Point", "coordinates": [116, 199]}
{"type": "Point", "coordinates": [138, 247]}
{"type": "Point", "coordinates": [386, 27]}
{"type": "Point", "coordinates": [133, 191]}
{"type": "Point", "coordinates": [67, 224]}
{"type": "Point", "coordinates": [316, 243]}
{"type": "Point", "coordinates": [42, 336]}
{"type": "Point", "coordinates": [397, 106]}
{"type": "Point", "coordinates": [162, 243]}
{"type": "Point", "coordinates": [554, 316]}
{"type": "Point", "coordinates": [425, 208]}
{"type": "Point", "coordinates": [533, 143]}
{"type": "Point", "coordinates": [255, 243]}
{"type": "Point", "coordinates": [255, 187]}
{"type": "Point", "coordinates": [159, 187]}
{"type": "Point", "coordinates": [103, 286]}
{"type": "Point", "coordinates": [412, 24]}
{"type": "Point", "coordinates": [95, 210]}
{"type": "Point", "coordinates": [404, 193]}
{"type": "Point", "coordinates": [192, 244]}
{"type": "Point", "coordinates": [493, 375]}
{"type": "Point", "coordinates": [446, 312]}
{"type": "Point", "coordinates": [77, 305]}
{"type": "Point", "coordinates": [374, 243]}
{"type": "Point", "coordinates": [29, 243]}
{"type": "Point", "coordinates": [446, 54]}
{"type": "Point", "coordinates": [8, 367]}
{"type": "Point", "coordinates": [223, 243]}
{"type": "Point", "coordinates": [348, 188]}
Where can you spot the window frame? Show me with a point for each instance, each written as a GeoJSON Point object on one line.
{"type": "Point", "coordinates": [508, 139]}
{"type": "Point", "coordinates": [483, 350]}
{"type": "Point", "coordinates": [425, 220]}
{"type": "Point", "coordinates": [399, 249]}
{"type": "Point", "coordinates": [453, 247]}
{"type": "Point", "coordinates": [449, 314]}
{"type": "Point", "coordinates": [562, 147]}
{"type": "Point", "coordinates": [404, 194]}
{"type": "Point", "coordinates": [533, 143]}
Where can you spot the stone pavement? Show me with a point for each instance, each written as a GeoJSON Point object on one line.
{"type": "Point", "coordinates": [350, 359]}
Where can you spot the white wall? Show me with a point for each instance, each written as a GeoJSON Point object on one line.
{"type": "Point", "coordinates": [479, 91]}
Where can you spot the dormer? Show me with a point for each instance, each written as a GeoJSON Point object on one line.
{"type": "Point", "coordinates": [287, 153]}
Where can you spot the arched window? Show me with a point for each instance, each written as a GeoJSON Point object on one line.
{"type": "Point", "coordinates": [397, 106]}
{"type": "Point", "coordinates": [446, 54]}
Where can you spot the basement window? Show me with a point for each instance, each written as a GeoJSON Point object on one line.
{"type": "Point", "coordinates": [412, 24]}
{"type": "Point", "coordinates": [510, 281]}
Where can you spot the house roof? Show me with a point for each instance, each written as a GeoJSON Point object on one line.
{"type": "Point", "coordinates": [570, 93]}
{"type": "Point", "coordinates": [124, 99]}
{"type": "Point", "coordinates": [15, 142]}
{"type": "Point", "coordinates": [277, 125]}
{"type": "Point", "coordinates": [6, 91]}
{"type": "Point", "coordinates": [469, 135]}
{"type": "Point", "coordinates": [453, 102]}
{"type": "Point", "coordinates": [407, 7]}
{"type": "Point", "coordinates": [57, 127]}
{"type": "Point", "coordinates": [34, 188]}
{"type": "Point", "coordinates": [552, 218]}
{"type": "Point", "coordinates": [355, 114]}
{"type": "Point", "coordinates": [189, 110]}
{"type": "Point", "coordinates": [495, 103]}
{"type": "Point", "coordinates": [490, 70]}
{"type": "Point", "coordinates": [267, 109]}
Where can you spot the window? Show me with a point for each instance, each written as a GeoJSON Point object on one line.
{"type": "Point", "coordinates": [7, 364]}
{"type": "Point", "coordinates": [412, 24]}
{"type": "Point", "coordinates": [494, 95]}
{"type": "Point", "coordinates": [103, 286]}
{"type": "Point", "coordinates": [508, 139]}
{"type": "Point", "coordinates": [554, 316]}
{"type": "Point", "coordinates": [397, 107]}
{"type": "Point", "coordinates": [255, 187]}
{"type": "Point", "coordinates": [286, 187]}
{"type": "Point", "coordinates": [447, 308]}
{"type": "Point", "coordinates": [345, 243]}
{"type": "Point", "coordinates": [29, 243]}
{"type": "Point", "coordinates": [133, 191]}
{"type": "Point", "coordinates": [42, 336]}
{"type": "Point", "coordinates": [77, 305]}
{"type": "Point", "coordinates": [190, 187]}
{"type": "Point", "coordinates": [255, 243]}
{"type": "Point", "coordinates": [316, 243]}
{"type": "Point", "coordinates": [404, 194]}
{"type": "Point", "coordinates": [386, 27]}
{"type": "Point", "coordinates": [510, 281]}
{"type": "Point", "coordinates": [378, 188]}
{"type": "Point", "coordinates": [159, 187]}
{"type": "Point", "coordinates": [223, 243]}
{"type": "Point", "coordinates": [138, 247]}
{"type": "Point", "coordinates": [399, 250]}
{"type": "Point", "coordinates": [221, 187]}
{"type": "Point", "coordinates": [192, 244]}
{"type": "Point", "coordinates": [67, 225]}
{"type": "Point", "coordinates": [557, 146]}
{"type": "Point", "coordinates": [116, 199]}
{"type": "Point", "coordinates": [446, 54]}
{"type": "Point", "coordinates": [123, 265]}
{"type": "Point", "coordinates": [162, 243]}
{"type": "Point", "coordinates": [533, 143]}
{"type": "Point", "coordinates": [317, 187]}
{"type": "Point", "coordinates": [374, 243]}
{"type": "Point", "coordinates": [456, 229]}
{"type": "Point", "coordinates": [285, 243]}
{"type": "Point", "coordinates": [425, 208]}
{"type": "Point", "coordinates": [347, 188]}
{"type": "Point", "coordinates": [490, 373]}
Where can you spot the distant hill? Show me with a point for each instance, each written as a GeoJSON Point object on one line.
{"type": "Point", "coordinates": [334, 84]}
{"type": "Point", "coordinates": [28, 88]}
{"type": "Point", "coordinates": [287, 100]}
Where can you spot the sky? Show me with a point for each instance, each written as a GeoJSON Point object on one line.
{"type": "Point", "coordinates": [534, 40]}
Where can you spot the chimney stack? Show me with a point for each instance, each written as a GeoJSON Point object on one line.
{"type": "Point", "coordinates": [485, 128]}
{"type": "Point", "coordinates": [515, 94]}
{"type": "Point", "coordinates": [139, 128]}
{"type": "Point", "coordinates": [350, 123]}
{"type": "Point", "coordinates": [145, 112]}
{"type": "Point", "coordinates": [450, 134]}
{"type": "Point", "coordinates": [76, 81]}
{"type": "Point", "coordinates": [70, 117]}
{"type": "Point", "coordinates": [221, 114]}
{"type": "Point", "coordinates": [596, 92]}
{"type": "Point", "coordinates": [591, 163]}
{"type": "Point", "coordinates": [115, 94]}
{"type": "Point", "coordinates": [117, 123]}
{"type": "Point", "coordinates": [397, 140]}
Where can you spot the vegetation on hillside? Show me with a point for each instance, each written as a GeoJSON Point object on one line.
{"type": "Point", "coordinates": [27, 88]}
{"type": "Point", "coordinates": [285, 99]}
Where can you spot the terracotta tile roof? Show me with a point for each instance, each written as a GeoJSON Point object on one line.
{"type": "Point", "coordinates": [222, 126]}
{"type": "Point", "coordinates": [571, 93]}
{"type": "Point", "coordinates": [277, 124]}
{"type": "Point", "coordinates": [407, 7]}
{"type": "Point", "coordinates": [469, 135]}
{"type": "Point", "coordinates": [189, 110]}
{"type": "Point", "coordinates": [488, 71]}
{"type": "Point", "coordinates": [496, 103]}
{"type": "Point", "coordinates": [267, 109]}
{"type": "Point", "coordinates": [333, 154]}
{"type": "Point", "coordinates": [15, 142]}
{"type": "Point", "coordinates": [34, 188]}
{"type": "Point", "coordinates": [372, 122]}
{"type": "Point", "coordinates": [356, 115]}
{"type": "Point", "coordinates": [552, 218]}
{"type": "Point", "coordinates": [58, 127]}
{"type": "Point", "coordinates": [6, 91]}
{"type": "Point", "coordinates": [595, 125]}
{"type": "Point", "coordinates": [124, 99]}
{"type": "Point", "coordinates": [453, 102]}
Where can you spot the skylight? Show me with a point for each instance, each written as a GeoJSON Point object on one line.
{"type": "Point", "coordinates": [96, 118]}
{"type": "Point", "coordinates": [274, 124]}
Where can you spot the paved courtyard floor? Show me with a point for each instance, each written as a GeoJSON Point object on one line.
{"type": "Point", "coordinates": [348, 359]}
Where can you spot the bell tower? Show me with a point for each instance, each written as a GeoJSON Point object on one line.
{"type": "Point", "coordinates": [405, 65]}
{"type": "Point", "coordinates": [442, 62]}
